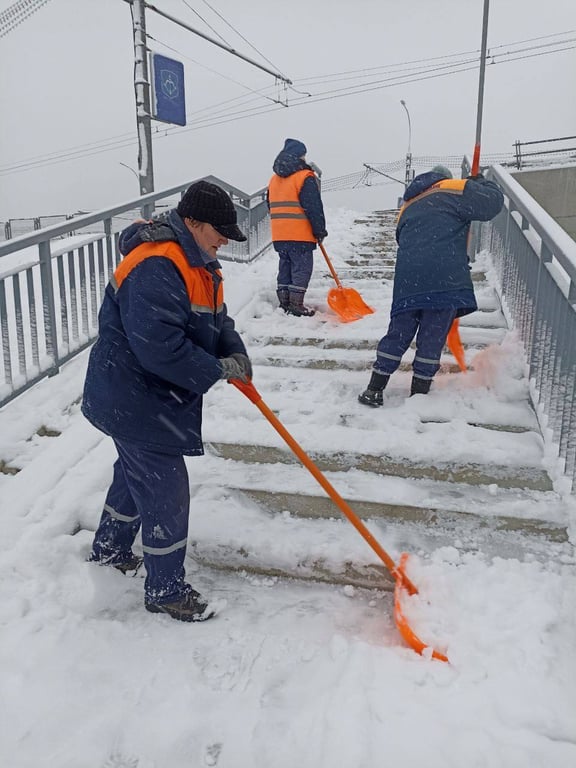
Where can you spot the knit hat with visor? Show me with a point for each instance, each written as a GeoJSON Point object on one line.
{"type": "Point", "coordinates": [209, 203]}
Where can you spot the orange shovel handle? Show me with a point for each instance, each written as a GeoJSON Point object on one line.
{"type": "Point", "coordinates": [250, 391]}
{"type": "Point", "coordinates": [332, 270]}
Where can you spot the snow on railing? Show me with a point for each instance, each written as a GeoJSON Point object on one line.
{"type": "Point", "coordinates": [52, 280]}
{"type": "Point", "coordinates": [535, 263]}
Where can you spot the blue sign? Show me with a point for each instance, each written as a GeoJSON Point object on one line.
{"type": "Point", "coordinates": [167, 100]}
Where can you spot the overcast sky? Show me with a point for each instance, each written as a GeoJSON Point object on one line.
{"type": "Point", "coordinates": [66, 81]}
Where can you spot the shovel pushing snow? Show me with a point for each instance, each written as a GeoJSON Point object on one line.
{"type": "Point", "coordinates": [402, 582]}
{"type": "Point", "coordinates": [346, 302]}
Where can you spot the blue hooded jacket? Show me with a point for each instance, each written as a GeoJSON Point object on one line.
{"type": "Point", "coordinates": [157, 354]}
{"type": "Point", "coordinates": [432, 266]}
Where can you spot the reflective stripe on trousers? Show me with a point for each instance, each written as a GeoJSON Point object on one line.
{"type": "Point", "coordinates": [430, 326]}
{"type": "Point", "coordinates": [149, 489]}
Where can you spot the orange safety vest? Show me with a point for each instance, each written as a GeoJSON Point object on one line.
{"type": "Point", "coordinates": [287, 217]}
{"type": "Point", "coordinates": [199, 282]}
{"type": "Point", "coordinates": [453, 186]}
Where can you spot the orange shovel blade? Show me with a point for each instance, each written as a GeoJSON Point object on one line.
{"type": "Point", "coordinates": [348, 304]}
{"type": "Point", "coordinates": [408, 634]}
{"type": "Point", "coordinates": [455, 345]}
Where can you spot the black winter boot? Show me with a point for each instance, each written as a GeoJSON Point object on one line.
{"type": "Point", "coordinates": [373, 395]}
{"type": "Point", "coordinates": [296, 306]}
{"type": "Point", "coordinates": [190, 607]}
{"type": "Point", "coordinates": [131, 565]}
{"type": "Point", "coordinates": [283, 298]}
{"type": "Point", "coordinates": [420, 386]}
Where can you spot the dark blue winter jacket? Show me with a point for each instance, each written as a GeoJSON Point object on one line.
{"type": "Point", "coordinates": [432, 266]}
{"type": "Point", "coordinates": [163, 325]}
{"type": "Point", "coordinates": [285, 165]}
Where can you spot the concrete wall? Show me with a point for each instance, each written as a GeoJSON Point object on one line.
{"type": "Point", "coordinates": [555, 190]}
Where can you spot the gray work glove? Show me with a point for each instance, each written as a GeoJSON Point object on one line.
{"type": "Point", "coordinates": [237, 366]}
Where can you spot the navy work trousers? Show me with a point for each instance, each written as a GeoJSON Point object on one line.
{"type": "Point", "coordinates": [430, 326]}
{"type": "Point", "coordinates": [151, 490]}
{"type": "Point", "coordinates": [295, 267]}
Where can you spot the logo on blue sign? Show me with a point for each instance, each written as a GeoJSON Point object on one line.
{"type": "Point", "coordinates": [170, 84]}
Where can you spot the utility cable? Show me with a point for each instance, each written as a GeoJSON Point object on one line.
{"type": "Point", "coordinates": [17, 13]}
{"type": "Point", "coordinates": [214, 10]}
{"type": "Point", "coordinates": [209, 69]}
{"type": "Point", "coordinates": [187, 4]}
{"type": "Point", "coordinates": [121, 141]}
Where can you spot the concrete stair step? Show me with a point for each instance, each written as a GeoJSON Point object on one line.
{"type": "Point", "coordinates": [246, 560]}
{"type": "Point", "coordinates": [388, 275]}
{"type": "Point", "coordinates": [340, 343]}
{"type": "Point", "coordinates": [447, 525]}
{"type": "Point", "coordinates": [333, 365]}
{"type": "Point", "coordinates": [268, 356]}
{"type": "Point", "coordinates": [328, 549]}
{"type": "Point", "coordinates": [531, 478]}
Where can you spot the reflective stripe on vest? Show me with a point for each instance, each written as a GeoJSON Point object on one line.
{"type": "Point", "coordinates": [287, 217]}
{"type": "Point", "coordinates": [452, 186]}
{"type": "Point", "coordinates": [200, 286]}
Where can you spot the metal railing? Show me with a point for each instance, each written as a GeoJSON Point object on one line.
{"type": "Point", "coordinates": [535, 261]}
{"type": "Point", "coordinates": [51, 288]}
{"type": "Point", "coordinates": [533, 153]}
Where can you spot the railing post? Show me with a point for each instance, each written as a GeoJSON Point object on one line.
{"type": "Point", "coordinates": [518, 149]}
{"type": "Point", "coordinates": [48, 304]}
{"type": "Point", "coordinates": [249, 232]}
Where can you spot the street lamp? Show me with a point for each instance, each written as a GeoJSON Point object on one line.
{"type": "Point", "coordinates": [408, 177]}
{"type": "Point", "coordinates": [130, 169]}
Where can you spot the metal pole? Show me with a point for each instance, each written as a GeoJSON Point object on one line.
{"type": "Point", "coordinates": [476, 158]}
{"type": "Point", "coordinates": [408, 175]}
{"type": "Point", "coordinates": [143, 117]}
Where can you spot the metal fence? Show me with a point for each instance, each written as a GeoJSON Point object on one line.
{"type": "Point", "coordinates": [564, 148]}
{"type": "Point", "coordinates": [52, 281]}
{"type": "Point", "coordinates": [535, 260]}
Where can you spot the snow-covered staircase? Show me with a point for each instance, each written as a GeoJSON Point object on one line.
{"type": "Point", "coordinates": [463, 467]}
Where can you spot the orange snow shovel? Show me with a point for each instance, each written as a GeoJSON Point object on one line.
{"type": "Point", "coordinates": [455, 345]}
{"type": "Point", "coordinates": [346, 302]}
{"type": "Point", "coordinates": [402, 582]}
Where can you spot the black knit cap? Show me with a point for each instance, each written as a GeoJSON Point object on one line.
{"type": "Point", "coordinates": [211, 204]}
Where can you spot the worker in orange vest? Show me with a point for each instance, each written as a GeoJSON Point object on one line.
{"type": "Point", "coordinates": [298, 224]}
{"type": "Point", "coordinates": [165, 338]}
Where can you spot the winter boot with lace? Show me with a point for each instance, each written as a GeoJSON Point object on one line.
{"type": "Point", "coordinates": [373, 395]}
{"type": "Point", "coordinates": [190, 607]}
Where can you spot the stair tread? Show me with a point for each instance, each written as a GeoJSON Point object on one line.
{"type": "Point", "coordinates": [470, 473]}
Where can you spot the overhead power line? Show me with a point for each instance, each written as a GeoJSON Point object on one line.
{"type": "Point", "coordinates": [214, 71]}
{"type": "Point", "coordinates": [240, 35]}
{"type": "Point", "coordinates": [180, 23]}
{"type": "Point", "coordinates": [17, 13]}
{"type": "Point", "coordinates": [187, 4]}
{"type": "Point", "coordinates": [247, 106]}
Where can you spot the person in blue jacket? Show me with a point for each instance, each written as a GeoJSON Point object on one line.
{"type": "Point", "coordinates": [432, 281]}
{"type": "Point", "coordinates": [165, 338]}
{"type": "Point", "coordinates": [297, 222]}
